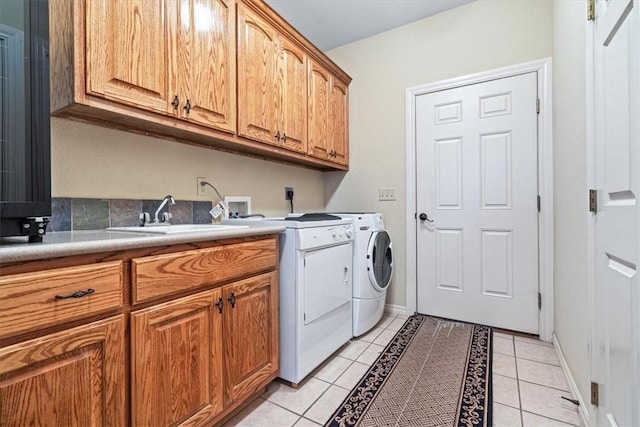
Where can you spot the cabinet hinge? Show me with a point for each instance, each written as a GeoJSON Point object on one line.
{"type": "Point", "coordinates": [591, 10]}
{"type": "Point", "coordinates": [538, 105]}
{"type": "Point", "coordinates": [593, 201]}
{"type": "Point", "coordinates": [539, 202]}
{"type": "Point", "coordinates": [539, 301]}
{"type": "Point", "coordinates": [594, 394]}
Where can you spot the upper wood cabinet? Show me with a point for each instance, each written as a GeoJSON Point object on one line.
{"type": "Point", "coordinates": [128, 53]}
{"type": "Point", "coordinates": [272, 84]}
{"type": "Point", "coordinates": [257, 50]}
{"type": "Point", "coordinates": [168, 56]}
{"type": "Point", "coordinates": [339, 122]}
{"type": "Point", "coordinates": [319, 97]}
{"type": "Point", "coordinates": [225, 74]}
{"type": "Point", "coordinates": [206, 62]}
{"type": "Point", "coordinates": [292, 96]}
{"type": "Point", "coordinates": [328, 109]}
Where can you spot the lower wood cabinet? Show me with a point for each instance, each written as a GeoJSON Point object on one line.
{"type": "Point", "coordinates": [186, 356]}
{"type": "Point", "coordinates": [199, 355]}
{"type": "Point", "coordinates": [250, 334]}
{"type": "Point", "coordinates": [176, 369]}
{"type": "Point", "coordinates": [71, 378]}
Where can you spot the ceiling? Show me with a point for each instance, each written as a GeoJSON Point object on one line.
{"type": "Point", "coordinates": [332, 23]}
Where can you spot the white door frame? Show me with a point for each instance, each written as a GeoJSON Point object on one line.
{"type": "Point", "coordinates": [545, 180]}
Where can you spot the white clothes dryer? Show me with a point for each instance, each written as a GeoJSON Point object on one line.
{"type": "Point", "coordinates": [372, 269]}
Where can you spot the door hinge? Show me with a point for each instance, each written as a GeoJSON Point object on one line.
{"type": "Point", "coordinates": [593, 201]}
{"type": "Point", "coordinates": [539, 203]}
{"type": "Point", "coordinates": [591, 10]}
{"type": "Point", "coordinates": [594, 394]}
{"type": "Point", "coordinates": [538, 105]}
{"type": "Point", "coordinates": [539, 301]}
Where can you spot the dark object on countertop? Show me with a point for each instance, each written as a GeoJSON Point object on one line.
{"type": "Point", "coordinates": [312, 217]}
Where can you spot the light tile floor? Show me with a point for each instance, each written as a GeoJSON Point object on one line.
{"type": "Point", "coordinates": [528, 383]}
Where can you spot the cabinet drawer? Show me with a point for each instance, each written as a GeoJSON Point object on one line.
{"type": "Point", "coordinates": [160, 275]}
{"type": "Point", "coordinates": [29, 300]}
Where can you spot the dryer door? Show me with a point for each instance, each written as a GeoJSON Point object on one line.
{"type": "Point", "coordinates": [380, 260]}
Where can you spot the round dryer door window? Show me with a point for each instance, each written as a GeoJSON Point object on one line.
{"type": "Point", "coordinates": [380, 260]}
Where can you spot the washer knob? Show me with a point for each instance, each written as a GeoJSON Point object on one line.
{"type": "Point", "coordinates": [334, 234]}
{"type": "Point", "coordinates": [348, 232]}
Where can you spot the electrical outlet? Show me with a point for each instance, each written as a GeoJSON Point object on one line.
{"type": "Point", "coordinates": [286, 192]}
{"type": "Point", "coordinates": [386, 194]}
{"type": "Point", "coordinates": [202, 191]}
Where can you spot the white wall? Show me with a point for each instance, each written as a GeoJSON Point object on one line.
{"type": "Point", "coordinates": [96, 162]}
{"type": "Point", "coordinates": [480, 36]}
{"type": "Point", "coordinates": [570, 192]}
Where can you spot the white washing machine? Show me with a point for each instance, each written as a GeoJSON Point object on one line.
{"type": "Point", "coordinates": [372, 269]}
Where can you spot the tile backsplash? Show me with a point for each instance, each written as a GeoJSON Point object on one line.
{"type": "Point", "coordinates": [92, 214]}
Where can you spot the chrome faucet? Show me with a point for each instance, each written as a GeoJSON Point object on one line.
{"type": "Point", "coordinates": [144, 216]}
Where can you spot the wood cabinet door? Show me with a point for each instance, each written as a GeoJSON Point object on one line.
{"type": "Point", "coordinates": [292, 96]}
{"type": "Point", "coordinates": [127, 52]}
{"type": "Point", "coordinates": [257, 50]}
{"type": "Point", "coordinates": [176, 362]}
{"type": "Point", "coordinates": [71, 378]}
{"type": "Point", "coordinates": [205, 62]}
{"type": "Point", "coordinates": [250, 330]}
{"type": "Point", "coordinates": [338, 123]}
{"type": "Point", "coordinates": [318, 110]}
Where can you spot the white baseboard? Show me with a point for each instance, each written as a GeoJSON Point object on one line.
{"type": "Point", "coordinates": [582, 408]}
{"type": "Point", "coordinates": [396, 309]}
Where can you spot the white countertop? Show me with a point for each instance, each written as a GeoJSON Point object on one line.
{"type": "Point", "coordinates": [66, 243]}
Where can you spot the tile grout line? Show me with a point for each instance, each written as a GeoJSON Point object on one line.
{"type": "Point", "coordinates": [515, 357]}
{"type": "Point", "coordinates": [550, 418]}
{"type": "Point", "coordinates": [546, 386]}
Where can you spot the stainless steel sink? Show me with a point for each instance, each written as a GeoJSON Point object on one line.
{"type": "Point", "coordinates": [178, 228]}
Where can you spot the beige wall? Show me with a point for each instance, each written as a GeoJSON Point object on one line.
{"type": "Point", "coordinates": [570, 182]}
{"type": "Point", "coordinates": [92, 161]}
{"type": "Point", "coordinates": [480, 36]}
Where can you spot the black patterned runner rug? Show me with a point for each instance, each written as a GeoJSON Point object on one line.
{"type": "Point", "coordinates": [434, 372]}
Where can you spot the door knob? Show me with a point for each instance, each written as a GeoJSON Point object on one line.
{"type": "Point", "coordinates": [423, 217]}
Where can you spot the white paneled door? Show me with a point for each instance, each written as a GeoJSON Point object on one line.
{"type": "Point", "coordinates": [616, 107]}
{"type": "Point", "coordinates": [476, 198]}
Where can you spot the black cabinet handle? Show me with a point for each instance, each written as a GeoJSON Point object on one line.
{"type": "Point", "coordinates": [220, 303]}
{"type": "Point", "coordinates": [187, 106]}
{"type": "Point", "coordinates": [232, 300]}
{"type": "Point", "coordinates": [277, 135]}
{"type": "Point", "coordinates": [175, 103]}
{"type": "Point", "coordinates": [76, 294]}
{"type": "Point", "coordinates": [284, 137]}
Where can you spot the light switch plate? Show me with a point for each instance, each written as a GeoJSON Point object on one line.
{"type": "Point", "coordinates": [386, 194]}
